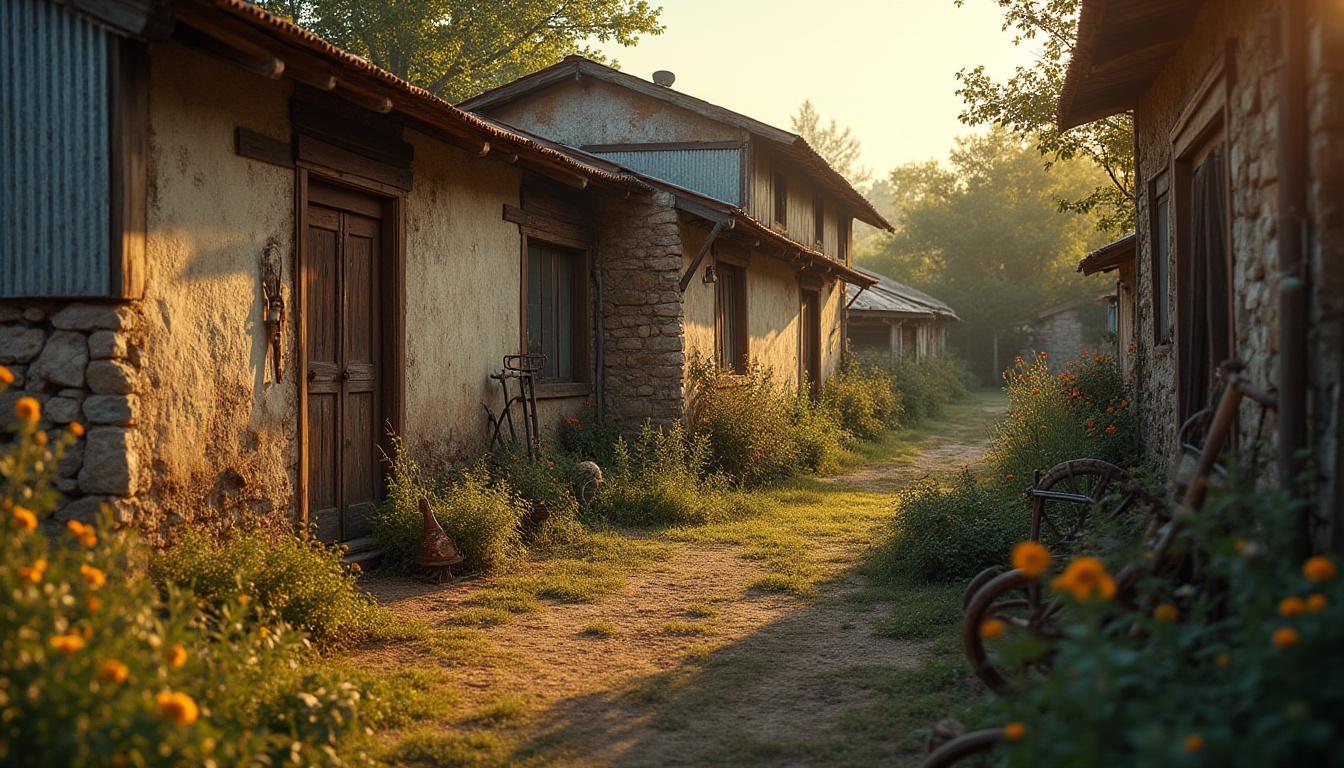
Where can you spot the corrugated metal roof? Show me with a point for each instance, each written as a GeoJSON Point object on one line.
{"type": "Point", "coordinates": [887, 295]}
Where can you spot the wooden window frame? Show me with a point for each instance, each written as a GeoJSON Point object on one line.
{"type": "Point", "coordinates": [392, 301]}
{"type": "Point", "coordinates": [731, 272]}
{"type": "Point", "coordinates": [780, 187]}
{"type": "Point", "coordinates": [581, 382]}
{"type": "Point", "coordinates": [1160, 255]}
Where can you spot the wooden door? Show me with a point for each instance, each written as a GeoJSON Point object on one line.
{"type": "Point", "coordinates": [810, 342]}
{"type": "Point", "coordinates": [344, 377]}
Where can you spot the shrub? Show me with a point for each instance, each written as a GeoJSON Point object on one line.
{"type": "Point", "coordinates": [485, 520]}
{"type": "Point", "coordinates": [819, 441]}
{"type": "Point", "coordinates": [98, 666]}
{"type": "Point", "coordinates": [745, 423]}
{"type": "Point", "coordinates": [663, 479]}
{"type": "Point", "coordinates": [590, 439]}
{"type": "Point", "coordinates": [1248, 674]}
{"type": "Point", "coordinates": [296, 577]}
{"type": "Point", "coordinates": [1083, 412]}
{"type": "Point", "coordinates": [948, 533]}
{"type": "Point", "coordinates": [862, 397]}
{"type": "Point", "coordinates": [543, 481]}
{"type": "Point", "coordinates": [926, 385]}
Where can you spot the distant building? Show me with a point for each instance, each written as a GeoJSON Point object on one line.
{"type": "Point", "coordinates": [1064, 330]}
{"type": "Point", "coordinates": [895, 320]}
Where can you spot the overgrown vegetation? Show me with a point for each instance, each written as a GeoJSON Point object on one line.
{"type": "Point", "coordinates": [100, 665]}
{"type": "Point", "coordinates": [1258, 632]}
{"type": "Point", "coordinates": [947, 531]}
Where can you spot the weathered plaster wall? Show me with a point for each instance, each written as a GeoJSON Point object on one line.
{"type": "Point", "coordinates": [463, 282]}
{"type": "Point", "coordinates": [773, 302]}
{"type": "Point", "coordinates": [594, 112]}
{"type": "Point", "coordinates": [640, 254]}
{"type": "Point", "coordinates": [832, 331]}
{"type": "Point", "coordinates": [699, 296]}
{"type": "Point", "coordinates": [215, 430]}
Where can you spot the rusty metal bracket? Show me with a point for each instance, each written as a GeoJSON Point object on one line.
{"type": "Point", "coordinates": [700, 255]}
{"type": "Point", "coordinates": [273, 296]}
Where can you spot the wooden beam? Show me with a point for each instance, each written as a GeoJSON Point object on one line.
{"type": "Point", "coordinates": [700, 255]}
{"type": "Point", "coordinates": [369, 100]}
{"type": "Point", "coordinates": [259, 146]}
{"type": "Point", "coordinates": [252, 58]}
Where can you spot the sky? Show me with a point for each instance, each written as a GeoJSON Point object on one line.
{"type": "Point", "coordinates": [884, 68]}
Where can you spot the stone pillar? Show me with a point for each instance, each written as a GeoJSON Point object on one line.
{"type": "Point", "coordinates": [82, 363]}
{"type": "Point", "coordinates": [640, 255]}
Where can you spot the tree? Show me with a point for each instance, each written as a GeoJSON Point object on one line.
{"type": "Point", "coordinates": [837, 146]}
{"type": "Point", "coordinates": [1026, 102]}
{"type": "Point", "coordinates": [984, 234]}
{"type": "Point", "coordinates": [458, 48]}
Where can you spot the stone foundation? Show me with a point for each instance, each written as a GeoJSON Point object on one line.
{"type": "Point", "coordinates": [639, 254]}
{"type": "Point", "coordinates": [81, 362]}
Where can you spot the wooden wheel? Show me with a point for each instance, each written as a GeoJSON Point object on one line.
{"type": "Point", "coordinates": [1063, 498]}
{"type": "Point", "coordinates": [981, 579]}
{"type": "Point", "coordinates": [962, 747]}
{"type": "Point", "coordinates": [1024, 607]}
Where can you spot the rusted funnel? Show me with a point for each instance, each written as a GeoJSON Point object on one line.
{"type": "Point", "coordinates": [437, 549]}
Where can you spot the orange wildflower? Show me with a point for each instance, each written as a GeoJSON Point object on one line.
{"type": "Point", "coordinates": [1014, 731]}
{"type": "Point", "coordinates": [113, 671]}
{"type": "Point", "coordinates": [94, 577]}
{"type": "Point", "coordinates": [1085, 577]}
{"type": "Point", "coordinates": [33, 573]}
{"type": "Point", "coordinates": [1166, 612]}
{"type": "Point", "coordinates": [1194, 742]}
{"type": "Point", "coordinates": [1318, 569]}
{"type": "Point", "coordinates": [75, 527]}
{"type": "Point", "coordinates": [41, 438]}
{"type": "Point", "coordinates": [244, 599]}
{"type": "Point", "coordinates": [991, 628]}
{"type": "Point", "coordinates": [92, 604]}
{"type": "Point", "coordinates": [1110, 430]}
{"type": "Point", "coordinates": [1031, 558]}
{"type": "Point", "coordinates": [76, 428]}
{"type": "Point", "coordinates": [28, 409]}
{"type": "Point", "coordinates": [178, 707]}
{"type": "Point", "coordinates": [6, 376]}
{"type": "Point", "coordinates": [1292, 606]}
{"type": "Point", "coordinates": [1286, 636]}
{"type": "Point", "coordinates": [1091, 424]}
{"type": "Point", "coordinates": [23, 519]}
{"type": "Point", "coordinates": [1223, 659]}
{"type": "Point", "coordinates": [177, 656]}
{"type": "Point", "coordinates": [1008, 476]}
{"type": "Point", "coordinates": [1316, 602]}
{"type": "Point", "coordinates": [1035, 391]}
{"type": "Point", "coordinates": [66, 644]}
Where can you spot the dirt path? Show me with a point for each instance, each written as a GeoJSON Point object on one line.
{"type": "Point", "coordinates": [698, 668]}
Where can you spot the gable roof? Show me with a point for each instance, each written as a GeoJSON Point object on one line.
{"type": "Point", "coordinates": [1122, 45]}
{"type": "Point", "coordinates": [791, 145]}
{"type": "Point", "coordinates": [1110, 257]}
{"type": "Point", "coordinates": [274, 47]}
{"type": "Point", "coordinates": [889, 296]}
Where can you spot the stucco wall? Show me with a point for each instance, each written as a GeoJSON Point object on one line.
{"type": "Point", "coordinates": [215, 430]}
{"type": "Point", "coordinates": [594, 112]}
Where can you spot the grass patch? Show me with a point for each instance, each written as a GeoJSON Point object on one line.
{"type": "Point", "coordinates": [402, 697]}
{"type": "Point", "coordinates": [509, 600]}
{"type": "Point", "coordinates": [686, 629]}
{"type": "Point", "coordinates": [507, 711]}
{"type": "Point", "coordinates": [600, 629]}
{"type": "Point", "coordinates": [459, 646]}
{"type": "Point", "coordinates": [482, 617]}
{"type": "Point", "coordinates": [701, 610]}
{"type": "Point", "coordinates": [464, 750]}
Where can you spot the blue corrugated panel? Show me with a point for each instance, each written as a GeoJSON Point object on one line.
{"type": "Point", "coordinates": [54, 169]}
{"type": "Point", "coordinates": [713, 172]}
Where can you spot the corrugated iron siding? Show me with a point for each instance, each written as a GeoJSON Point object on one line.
{"type": "Point", "coordinates": [55, 167]}
{"type": "Point", "coordinates": [713, 172]}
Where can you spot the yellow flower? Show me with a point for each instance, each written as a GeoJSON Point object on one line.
{"type": "Point", "coordinates": [1166, 612]}
{"type": "Point", "coordinates": [1014, 731]}
{"type": "Point", "coordinates": [92, 576]}
{"type": "Point", "coordinates": [113, 671]}
{"type": "Point", "coordinates": [1292, 606]}
{"type": "Point", "coordinates": [1316, 602]}
{"type": "Point", "coordinates": [1031, 558]}
{"type": "Point", "coordinates": [1318, 569]}
{"type": "Point", "coordinates": [1194, 742]}
{"type": "Point", "coordinates": [1286, 636]}
{"type": "Point", "coordinates": [177, 656]}
{"type": "Point", "coordinates": [66, 644]}
{"type": "Point", "coordinates": [991, 628]}
{"type": "Point", "coordinates": [178, 707]}
{"type": "Point", "coordinates": [33, 573]}
{"type": "Point", "coordinates": [23, 519]}
{"type": "Point", "coordinates": [28, 409]}
{"type": "Point", "coordinates": [1085, 577]}
{"type": "Point", "coordinates": [6, 376]}
{"type": "Point", "coordinates": [76, 428]}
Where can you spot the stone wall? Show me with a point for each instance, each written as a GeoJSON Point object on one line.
{"type": "Point", "coordinates": [639, 255]}
{"type": "Point", "coordinates": [82, 363]}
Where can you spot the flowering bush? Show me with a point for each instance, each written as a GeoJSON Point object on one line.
{"type": "Point", "coordinates": [745, 422]}
{"type": "Point", "coordinates": [863, 398]}
{"type": "Point", "coordinates": [1082, 412]}
{"type": "Point", "coordinates": [590, 439]}
{"type": "Point", "coordinates": [1240, 668]}
{"type": "Point", "coordinates": [99, 667]}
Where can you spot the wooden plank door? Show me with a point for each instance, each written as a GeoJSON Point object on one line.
{"type": "Point", "coordinates": [344, 377]}
{"type": "Point", "coordinates": [810, 341]}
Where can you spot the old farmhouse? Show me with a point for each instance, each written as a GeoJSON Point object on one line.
{"type": "Point", "coordinates": [1239, 120]}
{"type": "Point", "coordinates": [245, 259]}
{"type": "Point", "coordinates": [893, 320]}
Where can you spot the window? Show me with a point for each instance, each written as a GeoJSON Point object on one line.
{"type": "Point", "coordinates": [1161, 250]}
{"type": "Point", "coordinates": [781, 200]}
{"type": "Point", "coordinates": [75, 174]}
{"type": "Point", "coordinates": [556, 316]}
{"type": "Point", "coordinates": [1204, 318]}
{"type": "Point", "coordinates": [819, 216]}
{"type": "Point", "coordinates": [842, 241]}
{"type": "Point", "coordinates": [730, 318]}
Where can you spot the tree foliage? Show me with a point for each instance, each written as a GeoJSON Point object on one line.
{"type": "Point", "coordinates": [1025, 104]}
{"type": "Point", "coordinates": [837, 146]}
{"type": "Point", "coordinates": [458, 48]}
{"type": "Point", "coordinates": [984, 234]}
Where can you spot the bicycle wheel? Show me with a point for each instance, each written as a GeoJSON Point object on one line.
{"type": "Point", "coordinates": [1025, 608]}
{"type": "Point", "coordinates": [1063, 499]}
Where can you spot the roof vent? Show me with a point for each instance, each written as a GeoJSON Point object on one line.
{"type": "Point", "coordinates": [664, 78]}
